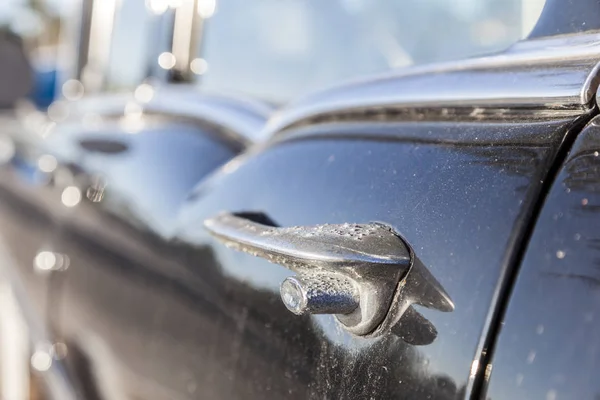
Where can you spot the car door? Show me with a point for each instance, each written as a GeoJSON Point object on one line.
{"type": "Point", "coordinates": [547, 345]}
{"type": "Point", "coordinates": [449, 160]}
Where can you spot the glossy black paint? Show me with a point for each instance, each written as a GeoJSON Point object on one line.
{"type": "Point", "coordinates": [140, 182]}
{"type": "Point", "coordinates": [183, 317]}
{"type": "Point", "coordinates": [549, 341]}
{"type": "Point", "coordinates": [561, 17]}
{"type": "Point", "coordinates": [140, 167]}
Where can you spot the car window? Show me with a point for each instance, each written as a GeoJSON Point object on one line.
{"type": "Point", "coordinates": [279, 49]}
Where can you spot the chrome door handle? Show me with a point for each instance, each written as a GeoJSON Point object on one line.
{"type": "Point", "coordinates": [359, 272]}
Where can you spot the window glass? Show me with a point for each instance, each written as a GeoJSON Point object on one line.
{"type": "Point", "coordinates": [279, 49]}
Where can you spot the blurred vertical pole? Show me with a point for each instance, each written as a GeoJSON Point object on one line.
{"type": "Point", "coordinates": [73, 42]}
{"type": "Point", "coordinates": [187, 28]}
{"type": "Point", "coordinates": [86, 34]}
{"type": "Point", "coordinates": [160, 41]}
{"type": "Point", "coordinates": [173, 57]}
{"type": "Point", "coordinates": [94, 73]}
{"type": "Point", "coordinates": [172, 42]}
{"type": "Point", "coordinates": [205, 9]}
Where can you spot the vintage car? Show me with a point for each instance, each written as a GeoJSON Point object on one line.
{"type": "Point", "coordinates": [429, 232]}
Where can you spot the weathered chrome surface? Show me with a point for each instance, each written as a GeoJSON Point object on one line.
{"type": "Point", "coordinates": [319, 294]}
{"type": "Point", "coordinates": [542, 78]}
{"type": "Point", "coordinates": [86, 36]}
{"type": "Point", "coordinates": [351, 270]}
{"type": "Point", "coordinates": [370, 256]}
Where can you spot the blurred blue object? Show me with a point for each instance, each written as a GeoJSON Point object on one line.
{"type": "Point", "coordinates": [44, 86]}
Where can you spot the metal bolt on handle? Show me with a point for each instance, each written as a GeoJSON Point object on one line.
{"type": "Point", "coordinates": [320, 294]}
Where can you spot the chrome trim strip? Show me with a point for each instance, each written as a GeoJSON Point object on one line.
{"type": "Point", "coordinates": [541, 78]}
{"type": "Point", "coordinates": [244, 117]}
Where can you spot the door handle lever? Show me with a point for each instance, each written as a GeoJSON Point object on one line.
{"type": "Point", "coordinates": [358, 272]}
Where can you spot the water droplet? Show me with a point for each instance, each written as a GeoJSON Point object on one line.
{"type": "Point", "coordinates": [539, 329]}
{"type": "Point", "coordinates": [560, 254]}
{"type": "Point", "coordinates": [519, 379]}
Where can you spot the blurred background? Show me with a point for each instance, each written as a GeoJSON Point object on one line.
{"type": "Point", "coordinates": [274, 50]}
